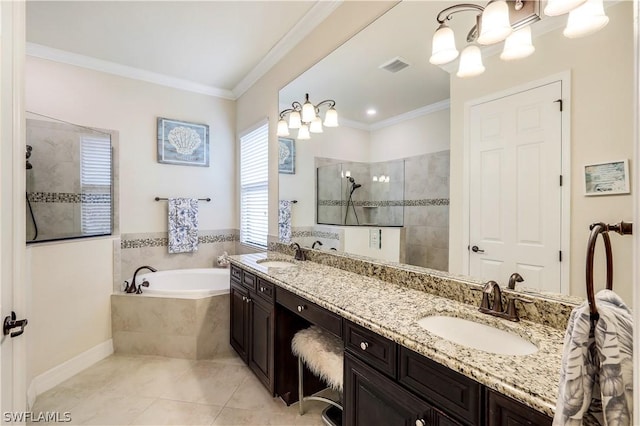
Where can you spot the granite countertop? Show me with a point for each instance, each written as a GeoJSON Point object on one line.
{"type": "Point", "coordinates": [393, 310]}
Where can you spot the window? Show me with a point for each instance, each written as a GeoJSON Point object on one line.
{"type": "Point", "coordinates": [95, 180]}
{"type": "Point", "coordinates": [254, 186]}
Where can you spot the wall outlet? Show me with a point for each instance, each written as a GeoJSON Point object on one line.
{"type": "Point", "coordinates": [375, 238]}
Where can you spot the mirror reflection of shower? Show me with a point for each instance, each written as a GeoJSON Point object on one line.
{"type": "Point", "coordinates": [354, 186]}
{"type": "Point", "coordinates": [29, 166]}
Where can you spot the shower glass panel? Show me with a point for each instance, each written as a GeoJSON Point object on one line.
{"type": "Point", "coordinates": [361, 194]}
{"type": "Point", "coordinates": [69, 180]}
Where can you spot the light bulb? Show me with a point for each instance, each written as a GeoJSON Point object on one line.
{"type": "Point", "coordinates": [283, 129]}
{"type": "Point", "coordinates": [470, 62]}
{"type": "Point", "coordinates": [495, 25]}
{"type": "Point", "coordinates": [586, 19]}
{"type": "Point", "coordinates": [375, 178]}
{"type": "Point", "coordinates": [443, 46]}
{"type": "Point", "coordinates": [331, 118]}
{"type": "Point", "coordinates": [560, 7]}
{"type": "Point", "coordinates": [308, 111]}
{"type": "Point", "coordinates": [303, 133]}
{"type": "Point", "coordinates": [294, 120]}
{"type": "Point", "coordinates": [316, 125]}
{"type": "Point", "coordinates": [518, 45]}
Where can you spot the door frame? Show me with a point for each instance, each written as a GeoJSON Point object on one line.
{"type": "Point", "coordinates": [13, 181]}
{"type": "Point", "coordinates": [565, 234]}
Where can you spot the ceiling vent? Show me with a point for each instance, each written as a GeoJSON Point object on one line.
{"type": "Point", "coordinates": [396, 64]}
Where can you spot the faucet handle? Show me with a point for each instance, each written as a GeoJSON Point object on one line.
{"type": "Point", "coordinates": [512, 311]}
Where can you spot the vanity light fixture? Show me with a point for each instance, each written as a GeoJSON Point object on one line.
{"type": "Point", "coordinates": [509, 21]}
{"type": "Point", "coordinates": [306, 118]}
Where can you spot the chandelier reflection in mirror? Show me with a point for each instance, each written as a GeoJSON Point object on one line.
{"type": "Point", "coordinates": [306, 118]}
{"type": "Point", "coordinates": [509, 21]}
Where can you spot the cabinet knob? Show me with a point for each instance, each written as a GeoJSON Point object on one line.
{"type": "Point", "coordinates": [364, 346]}
{"type": "Point", "coordinates": [421, 422]}
{"type": "Point", "coordinates": [248, 300]}
{"type": "Point", "coordinates": [244, 298]}
{"type": "Point", "coordinates": [262, 289]}
{"type": "Point", "coordinates": [301, 308]}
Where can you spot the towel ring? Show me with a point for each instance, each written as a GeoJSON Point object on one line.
{"type": "Point", "coordinates": [597, 229]}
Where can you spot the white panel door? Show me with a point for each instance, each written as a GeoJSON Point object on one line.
{"type": "Point", "coordinates": [515, 193]}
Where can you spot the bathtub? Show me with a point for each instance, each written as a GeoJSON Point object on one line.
{"type": "Point", "coordinates": [186, 283]}
{"type": "Point", "coordinates": [183, 313]}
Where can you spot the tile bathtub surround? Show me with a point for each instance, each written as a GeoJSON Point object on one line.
{"type": "Point", "coordinates": [553, 312]}
{"type": "Point", "coordinates": [177, 328]}
{"type": "Point", "coordinates": [393, 310]}
{"type": "Point", "coordinates": [135, 250]}
{"type": "Point", "coordinates": [151, 390]}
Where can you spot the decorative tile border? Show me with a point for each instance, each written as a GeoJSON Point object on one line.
{"type": "Point", "coordinates": [317, 234]}
{"type": "Point", "coordinates": [68, 197]}
{"type": "Point", "coordinates": [164, 240]}
{"type": "Point", "coordinates": [388, 203]}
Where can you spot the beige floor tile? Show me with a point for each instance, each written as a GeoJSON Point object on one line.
{"type": "Point", "coordinates": [167, 412]}
{"type": "Point", "coordinates": [108, 409]}
{"type": "Point", "coordinates": [207, 383]}
{"type": "Point", "coordinates": [61, 399]}
{"type": "Point", "coordinates": [238, 416]}
{"type": "Point", "coordinates": [252, 395]}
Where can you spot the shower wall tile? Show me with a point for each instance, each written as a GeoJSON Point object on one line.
{"type": "Point", "coordinates": [438, 258]}
{"type": "Point", "coordinates": [438, 237]}
{"type": "Point", "coordinates": [438, 216]}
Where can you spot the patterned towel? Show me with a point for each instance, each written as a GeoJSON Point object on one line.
{"type": "Point", "coordinates": [596, 375]}
{"type": "Point", "coordinates": [284, 221]}
{"type": "Point", "coordinates": [183, 225]}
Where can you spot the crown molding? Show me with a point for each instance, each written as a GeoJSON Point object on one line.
{"type": "Point", "coordinates": [419, 112]}
{"type": "Point", "coordinates": [65, 57]}
{"type": "Point", "coordinates": [318, 13]}
{"type": "Point", "coordinates": [355, 124]}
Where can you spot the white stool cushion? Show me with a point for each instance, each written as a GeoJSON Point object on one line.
{"type": "Point", "coordinates": [322, 352]}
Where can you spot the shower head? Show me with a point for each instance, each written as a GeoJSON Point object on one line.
{"type": "Point", "coordinates": [29, 165]}
{"type": "Point", "coordinates": [28, 150]}
{"type": "Point", "coordinates": [356, 185]}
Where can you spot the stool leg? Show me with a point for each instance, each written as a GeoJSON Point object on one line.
{"type": "Point", "coordinates": [300, 386]}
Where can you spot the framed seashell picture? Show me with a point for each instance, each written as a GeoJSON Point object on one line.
{"type": "Point", "coordinates": [183, 143]}
{"type": "Point", "coordinates": [286, 156]}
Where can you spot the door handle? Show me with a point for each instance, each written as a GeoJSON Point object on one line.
{"type": "Point", "coordinates": [476, 249]}
{"type": "Point", "coordinates": [10, 323]}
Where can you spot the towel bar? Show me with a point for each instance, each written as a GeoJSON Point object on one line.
{"type": "Point", "coordinates": [199, 199]}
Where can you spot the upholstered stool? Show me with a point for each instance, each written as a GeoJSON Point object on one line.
{"type": "Point", "coordinates": [323, 354]}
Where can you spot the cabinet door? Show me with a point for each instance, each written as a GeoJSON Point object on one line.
{"type": "Point", "coordinates": [239, 319]}
{"type": "Point", "coordinates": [504, 411]}
{"type": "Point", "coordinates": [261, 332]}
{"type": "Point", "coordinates": [370, 398]}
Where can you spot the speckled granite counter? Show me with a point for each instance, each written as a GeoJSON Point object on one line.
{"type": "Point", "coordinates": [392, 311]}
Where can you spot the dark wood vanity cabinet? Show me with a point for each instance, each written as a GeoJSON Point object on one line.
{"type": "Point", "coordinates": [504, 411]}
{"type": "Point", "coordinates": [252, 324]}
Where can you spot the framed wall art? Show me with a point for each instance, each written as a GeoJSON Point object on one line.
{"type": "Point", "coordinates": [607, 178]}
{"type": "Point", "coordinates": [287, 156]}
{"type": "Point", "coordinates": [183, 143]}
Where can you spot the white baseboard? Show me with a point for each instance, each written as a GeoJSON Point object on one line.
{"type": "Point", "coordinates": [67, 369]}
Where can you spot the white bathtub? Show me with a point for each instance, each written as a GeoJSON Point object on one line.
{"type": "Point", "coordinates": [186, 283]}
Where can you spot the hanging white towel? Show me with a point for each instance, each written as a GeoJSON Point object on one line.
{"type": "Point", "coordinates": [596, 375]}
{"type": "Point", "coordinates": [284, 221]}
{"type": "Point", "coordinates": [183, 225]}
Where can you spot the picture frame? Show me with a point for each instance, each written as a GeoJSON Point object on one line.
{"type": "Point", "coordinates": [608, 178]}
{"type": "Point", "coordinates": [286, 156]}
{"type": "Point", "coordinates": [183, 143]}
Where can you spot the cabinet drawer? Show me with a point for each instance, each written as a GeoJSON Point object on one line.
{"type": "Point", "coordinates": [248, 280]}
{"type": "Point", "coordinates": [264, 289]}
{"type": "Point", "coordinates": [372, 348]}
{"type": "Point", "coordinates": [236, 274]}
{"type": "Point", "coordinates": [310, 311]}
{"type": "Point", "coordinates": [454, 393]}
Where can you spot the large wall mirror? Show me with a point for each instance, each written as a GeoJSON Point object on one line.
{"type": "Point", "coordinates": [394, 106]}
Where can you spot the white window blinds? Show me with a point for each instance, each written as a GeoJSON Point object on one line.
{"type": "Point", "coordinates": [95, 180]}
{"type": "Point", "coordinates": [254, 188]}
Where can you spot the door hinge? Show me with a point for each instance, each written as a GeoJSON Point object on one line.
{"type": "Point", "coordinates": [560, 255]}
{"type": "Point", "coordinates": [560, 102]}
{"type": "Point", "coordinates": [560, 180]}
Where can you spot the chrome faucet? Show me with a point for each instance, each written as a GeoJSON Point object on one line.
{"type": "Point", "coordinates": [319, 243]}
{"type": "Point", "coordinates": [513, 279]}
{"type": "Point", "coordinates": [132, 288]}
{"type": "Point", "coordinates": [300, 252]}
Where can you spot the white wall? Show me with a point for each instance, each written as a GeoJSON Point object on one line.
{"type": "Point", "coordinates": [602, 124]}
{"type": "Point", "coordinates": [422, 135]}
{"type": "Point", "coordinates": [392, 246]}
{"type": "Point", "coordinates": [72, 280]}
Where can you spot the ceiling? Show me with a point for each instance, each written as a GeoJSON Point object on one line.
{"type": "Point", "coordinates": [222, 45]}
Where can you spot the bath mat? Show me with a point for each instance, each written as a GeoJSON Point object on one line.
{"type": "Point", "coordinates": [183, 225]}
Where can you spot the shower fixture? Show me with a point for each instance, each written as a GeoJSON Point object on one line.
{"type": "Point", "coordinates": [29, 166]}
{"type": "Point", "coordinates": [354, 186]}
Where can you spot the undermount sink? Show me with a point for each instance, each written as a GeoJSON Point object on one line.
{"type": "Point", "coordinates": [276, 264]}
{"type": "Point", "coordinates": [477, 336]}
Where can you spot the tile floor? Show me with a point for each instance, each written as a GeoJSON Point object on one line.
{"type": "Point", "coordinates": [149, 390]}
